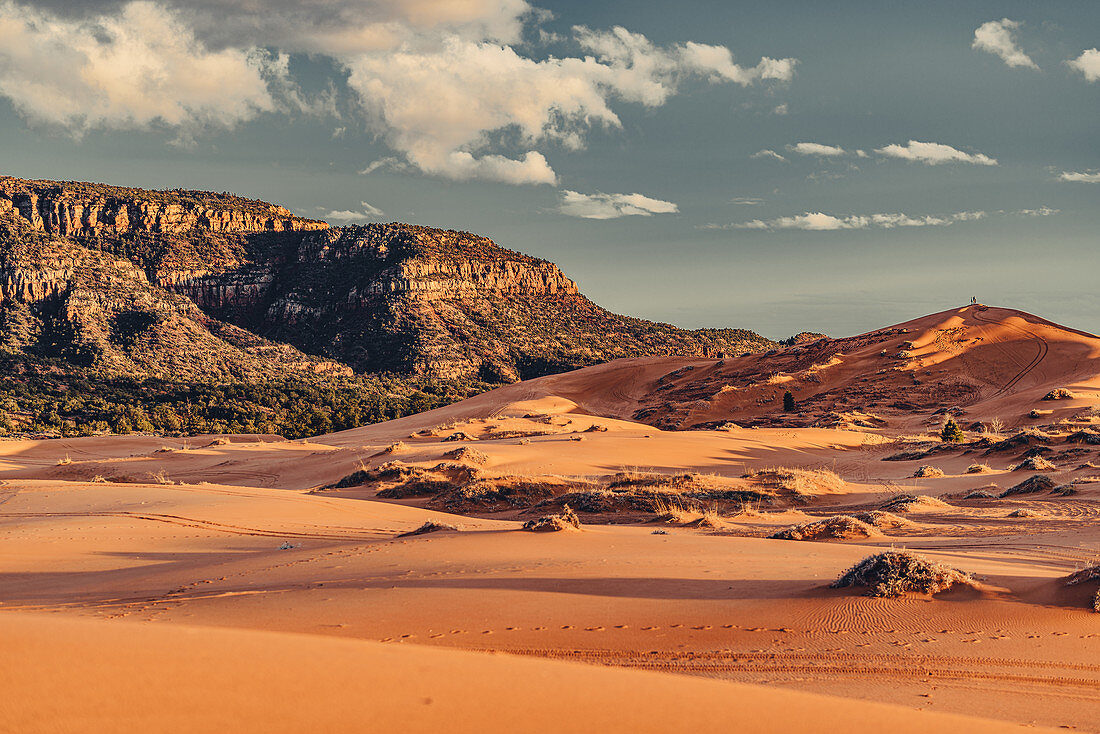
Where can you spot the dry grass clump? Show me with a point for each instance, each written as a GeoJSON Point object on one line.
{"type": "Point", "coordinates": [1031, 485]}
{"type": "Point", "coordinates": [396, 448]}
{"type": "Point", "coordinates": [979, 469]}
{"type": "Point", "coordinates": [838, 527]}
{"type": "Point", "coordinates": [1025, 513]}
{"type": "Point", "coordinates": [428, 527]}
{"type": "Point", "coordinates": [799, 482]}
{"type": "Point", "coordinates": [467, 454]}
{"type": "Point", "coordinates": [979, 494]}
{"type": "Point", "coordinates": [910, 502]}
{"type": "Point", "coordinates": [566, 520]}
{"type": "Point", "coordinates": [1035, 463]}
{"type": "Point", "coordinates": [928, 471]}
{"type": "Point", "coordinates": [1091, 573]}
{"type": "Point", "coordinates": [1060, 393]}
{"type": "Point", "coordinates": [460, 436]}
{"type": "Point", "coordinates": [219, 442]}
{"type": "Point", "coordinates": [160, 477]}
{"type": "Point", "coordinates": [883, 520]}
{"type": "Point", "coordinates": [64, 462]}
{"type": "Point", "coordinates": [894, 573]}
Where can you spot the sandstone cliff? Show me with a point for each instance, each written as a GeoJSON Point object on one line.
{"type": "Point", "coordinates": [216, 280]}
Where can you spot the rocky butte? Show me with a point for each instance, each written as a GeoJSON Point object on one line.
{"type": "Point", "coordinates": [199, 284]}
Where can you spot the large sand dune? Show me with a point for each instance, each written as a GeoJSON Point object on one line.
{"type": "Point", "coordinates": [177, 572]}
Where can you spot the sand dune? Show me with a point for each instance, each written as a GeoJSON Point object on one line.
{"type": "Point", "coordinates": [233, 565]}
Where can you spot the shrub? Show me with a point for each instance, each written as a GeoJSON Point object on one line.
{"type": "Point", "coordinates": [1031, 485]}
{"type": "Point", "coordinates": [566, 520]}
{"type": "Point", "coordinates": [428, 527]}
{"type": "Point", "coordinates": [951, 433]}
{"type": "Point", "coordinates": [1059, 393]}
{"type": "Point", "coordinates": [979, 469]}
{"type": "Point", "coordinates": [1091, 573]}
{"type": "Point", "coordinates": [837, 527]}
{"type": "Point", "coordinates": [1034, 463]}
{"type": "Point", "coordinates": [928, 471]}
{"type": "Point", "coordinates": [894, 573]}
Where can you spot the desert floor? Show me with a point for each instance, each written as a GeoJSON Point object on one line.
{"type": "Point", "coordinates": [220, 583]}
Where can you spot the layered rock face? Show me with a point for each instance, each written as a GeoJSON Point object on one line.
{"type": "Point", "coordinates": [392, 298]}
{"type": "Point", "coordinates": [86, 210]}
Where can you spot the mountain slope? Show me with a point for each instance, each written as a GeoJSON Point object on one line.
{"type": "Point", "coordinates": [198, 289]}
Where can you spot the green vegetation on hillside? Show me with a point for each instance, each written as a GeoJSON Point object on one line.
{"type": "Point", "coordinates": [59, 402]}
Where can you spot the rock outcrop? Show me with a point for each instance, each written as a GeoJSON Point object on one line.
{"type": "Point", "coordinates": [380, 298]}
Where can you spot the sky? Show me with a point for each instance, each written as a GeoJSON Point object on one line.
{"type": "Point", "coordinates": [782, 166]}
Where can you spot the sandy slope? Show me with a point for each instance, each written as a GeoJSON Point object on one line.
{"type": "Point", "coordinates": [126, 678]}
{"type": "Point", "coordinates": [237, 537]}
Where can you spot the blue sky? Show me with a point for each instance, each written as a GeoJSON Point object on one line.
{"type": "Point", "coordinates": [784, 166]}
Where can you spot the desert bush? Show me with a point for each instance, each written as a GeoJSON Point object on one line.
{"type": "Point", "coordinates": [894, 573]}
{"type": "Point", "coordinates": [837, 527]}
{"type": "Point", "coordinates": [566, 520]}
{"type": "Point", "coordinates": [979, 494]}
{"type": "Point", "coordinates": [909, 502]}
{"type": "Point", "coordinates": [928, 471]}
{"type": "Point", "coordinates": [883, 520]}
{"type": "Point", "coordinates": [1059, 393]}
{"type": "Point", "coordinates": [1024, 512]}
{"type": "Point", "coordinates": [979, 469]}
{"type": "Point", "coordinates": [1031, 485]}
{"type": "Point", "coordinates": [467, 454]}
{"type": "Point", "coordinates": [1034, 463]}
{"type": "Point", "coordinates": [1090, 573]}
{"type": "Point", "coordinates": [429, 526]}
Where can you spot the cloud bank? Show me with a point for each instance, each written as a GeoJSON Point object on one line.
{"type": "Point", "coordinates": [136, 69]}
{"type": "Point", "coordinates": [451, 86]}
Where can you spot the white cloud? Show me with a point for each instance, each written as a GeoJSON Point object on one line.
{"type": "Point", "coordinates": [780, 109]}
{"type": "Point", "coordinates": [761, 154]}
{"type": "Point", "coordinates": [367, 213]}
{"type": "Point", "coordinates": [747, 200]}
{"type": "Point", "coordinates": [140, 68]}
{"type": "Point", "coordinates": [828, 151]}
{"type": "Point", "coordinates": [997, 38]}
{"type": "Point", "coordinates": [445, 83]}
{"type": "Point", "coordinates": [440, 105]}
{"type": "Point", "coordinates": [1088, 63]}
{"type": "Point", "coordinates": [1043, 211]}
{"type": "Point", "coordinates": [1079, 176]}
{"type": "Point", "coordinates": [612, 206]}
{"type": "Point", "coordinates": [934, 154]}
{"type": "Point", "coordinates": [820, 222]}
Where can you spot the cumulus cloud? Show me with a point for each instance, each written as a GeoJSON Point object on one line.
{"type": "Point", "coordinates": [1043, 211]}
{"type": "Point", "coordinates": [828, 151]}
{"type": "Point", "coordinates": [998, 38]}
{"type": "Point", "coordinates": [1088, 63]}
{"type": "Point", "coordinates": [446, 84]}
{"type": "Point", "coordinates": [140, 67]}
{"type": "Point", "coordinates": [821, 222]}
{"type": "Point", "coordinates": [440, 105]}
{"type": "Point", "coordinates": [347, 216]}
{"type": "Point", "coordinates": [1080, 176]}
{"type": "Point", "coordinates": [612, 206]}
{"type": "Point", "coordinates": [934, 154]}
{"type": "Point", "coordinates": [767, 154]}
